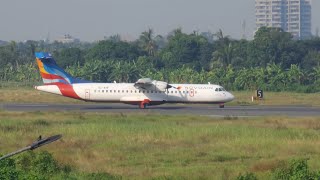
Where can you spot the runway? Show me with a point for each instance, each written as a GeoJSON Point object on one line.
{"type": "Point", "coordinates": [169, 109]}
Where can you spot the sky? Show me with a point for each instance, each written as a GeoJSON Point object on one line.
{"type": "Point", "coordinates": [91, 20]}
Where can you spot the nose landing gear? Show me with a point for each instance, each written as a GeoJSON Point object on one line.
{"type": "Point", "coordinates": [221, 105]}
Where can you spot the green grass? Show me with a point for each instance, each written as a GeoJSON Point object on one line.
{"type": "Point", "coordinates": [31, 95]}
{"type": "Point", "coordinates": [145, 146]}
{"type": "Point", "coordinates": [277, 98]}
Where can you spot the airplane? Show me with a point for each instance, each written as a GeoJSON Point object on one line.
{"type": "Point", "coordinates": [145, 92]}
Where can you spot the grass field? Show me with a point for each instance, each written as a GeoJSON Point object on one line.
{"type": "Point", "coordinates": [278, 98]}
{"type": "Point", "coordinates": [144, 146]}
{"type": "Point", "coordinates": [30, 95]}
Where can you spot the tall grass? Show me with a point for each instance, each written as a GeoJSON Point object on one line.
{"type": "Point", "coordinates": [13, 85]}
{"type": "Point", "coordinates": [147, 146]}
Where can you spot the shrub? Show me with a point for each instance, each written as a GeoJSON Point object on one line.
{"type": "Point", "coordinates": [296, 169]}
{"type": "Point", "coordinates": [42, 165]}
{"type": "Point", "coordinates": [247, 176]}
{"type": "Point", "coordinates": [8, 169]}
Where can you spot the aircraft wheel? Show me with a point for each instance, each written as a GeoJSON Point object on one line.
{"type": "Point", "coordinates": [221, 106]}
{"type": "Point", "coordinates": [143, 105]}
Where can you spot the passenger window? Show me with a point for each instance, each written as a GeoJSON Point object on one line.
{"type": "Point", "coordinates": [151, 91]}
{"type": "Point", "coordinates": [115, 91]}
{"type": "Point", "coordinates": [102, 91]}
{"type": "Point", "coordinates": [147, 91]}
{"type": "Point", "coordinates": [143, 91]}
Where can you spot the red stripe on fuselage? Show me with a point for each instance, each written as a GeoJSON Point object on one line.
{"type": "Point", "coordinates": [66, 90]}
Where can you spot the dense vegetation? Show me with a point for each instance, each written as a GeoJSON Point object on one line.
{"type": "Point", "coordinates": [295, 169]}
{"type": "Point", "coordinates": [273, 60]}
{"type": "Point", "coordinates": [42, 165]}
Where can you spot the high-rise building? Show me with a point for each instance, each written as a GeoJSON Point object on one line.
{"type": "Point", "coordinates": [292, 16]}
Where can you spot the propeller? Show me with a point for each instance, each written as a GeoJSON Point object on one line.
{"type": "Point", "coordinates": [170, 86]}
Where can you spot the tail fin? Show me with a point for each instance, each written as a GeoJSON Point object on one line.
{"type": "Point", "coordinates": [50, 72]}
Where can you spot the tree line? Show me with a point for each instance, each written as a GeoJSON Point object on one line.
{"type": "Point", "coordinates": [272, 61]}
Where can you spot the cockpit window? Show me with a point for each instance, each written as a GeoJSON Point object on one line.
{"type": "Point", "coordinates": [219, 89]}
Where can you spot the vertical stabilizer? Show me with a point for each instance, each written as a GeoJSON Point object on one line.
{"type": "Point", "coordinates": [50, 72]}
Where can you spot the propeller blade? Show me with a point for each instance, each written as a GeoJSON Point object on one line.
{"type": "Point", "coordinates": [169, 86]}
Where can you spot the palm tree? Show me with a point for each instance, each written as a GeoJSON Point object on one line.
{"type": "Point", "coordinates": [294, 74]}
{"type": "Point", "coordinates": [277, 78]}
{"type": "Point", "coordinates": [224, 54]}
{"type": "Point", "coordinates": [114, 38]}
{"type": "Point", "coordinates": [225, 49]}
{"type": "Point", "coordinates": [316, 74]}
{"type": "Point", "coordinates": [148, 42]}
{"type": "Point", "coordinates": [222, 39]}
{"type": "Point", "coordinates": [125, 72]}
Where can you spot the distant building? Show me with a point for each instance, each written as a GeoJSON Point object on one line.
{"type": "Point", "coordinates": [67, 39]}
{"type": "Point", "coordinates": [292, 16]}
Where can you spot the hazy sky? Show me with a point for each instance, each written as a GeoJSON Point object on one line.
{"type": "Point", "coordinates": [91, 20]}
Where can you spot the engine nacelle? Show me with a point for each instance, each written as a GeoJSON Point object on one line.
{"type": "Point", "coordinates": [160, 85]}
{"type": "Point", "coordinates": [152, 85]}
{"type": "Point", "coordinates": [144, 81]}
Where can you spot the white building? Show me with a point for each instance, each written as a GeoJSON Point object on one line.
{"type": "Point", "coordinates": [292, 16]}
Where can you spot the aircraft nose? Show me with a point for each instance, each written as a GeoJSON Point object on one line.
{"type": "Point", "coordinates": [230, 97]}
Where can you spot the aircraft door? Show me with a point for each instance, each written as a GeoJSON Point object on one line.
{"type": "Point", "coordinates": [191, 92]}
{"type": "Point", "coordinates": [87, 94]}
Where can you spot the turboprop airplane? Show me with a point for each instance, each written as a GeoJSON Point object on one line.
{"type": "Point", "coordinates": [145, 92]}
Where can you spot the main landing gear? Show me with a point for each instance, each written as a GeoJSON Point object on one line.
{"type": "Point", "coordinates": [221, 105]}
{"type": "Point", "coordinates": [144, 104]}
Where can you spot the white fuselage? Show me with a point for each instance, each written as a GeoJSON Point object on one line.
{"type": "Point", "coordinates": [128, 93]}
